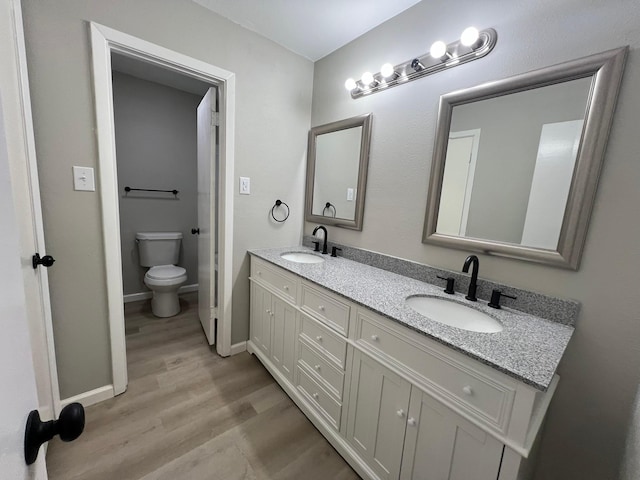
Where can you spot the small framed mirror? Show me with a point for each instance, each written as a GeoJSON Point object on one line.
{"type": "Point", "coordinates": [516, 161]}
{"type": "Point", "coordinates": [337, 161]}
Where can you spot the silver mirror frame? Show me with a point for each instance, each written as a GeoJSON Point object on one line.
{"type": "Point", "coordinates": [606, 68]}
{"type": "Point", "coordinates": [364, 121]}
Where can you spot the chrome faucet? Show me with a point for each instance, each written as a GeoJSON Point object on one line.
{"type": "Point", "coordinates": [473, 284]}
{"type": "Point", "coordinates": [326, 235]}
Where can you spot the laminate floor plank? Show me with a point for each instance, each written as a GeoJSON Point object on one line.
{"type": "Point", "coordinates": [190, 414]}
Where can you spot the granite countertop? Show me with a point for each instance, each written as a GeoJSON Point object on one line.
{"type": "Point", "coordinates": [529, 348]}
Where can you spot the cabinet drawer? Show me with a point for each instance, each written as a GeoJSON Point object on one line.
{"type": "Point", "coordinates": [325, 308]}
{"type": "Point", "coordinates": [279, 280]}
{"type": "Point", "coordinates": [470, 389]}
{"type": "Point", "coordinates": [319, 398]}
{"type": "Point", "coordinates": [332, 345]}
{"type": "Point", "coordinates": [326, 374]}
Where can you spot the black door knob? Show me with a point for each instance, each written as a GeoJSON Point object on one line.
{"type": "Point", "coordinates": [69, 426]}
{"type": "Point", "coordinates": [195, 231]}
{"type": "Point", "coordinates": [45, 261]}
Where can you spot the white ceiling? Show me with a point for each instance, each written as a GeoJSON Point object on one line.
{"type": "Point", "coordinates": [311, 28]}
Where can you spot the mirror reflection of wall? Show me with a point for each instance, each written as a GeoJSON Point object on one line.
{"type": "Point", "coordinates": [336, 173]}
{"type": "Point", "coordinates": [510, 162]}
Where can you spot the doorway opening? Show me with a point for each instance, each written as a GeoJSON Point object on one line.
{"type": "Point", "coordinates": [107, 44]}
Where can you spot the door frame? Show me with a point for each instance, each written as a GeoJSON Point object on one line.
{"type": "Point", "coordinates": [104, 41]}
{"type": "Point", "coordinates": [475, 143]}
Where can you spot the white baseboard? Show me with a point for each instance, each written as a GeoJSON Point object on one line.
{"type": "Point", "coordinates": [91, 397]}
{"type": "Point", "coordinates": [238, 348]}
{"type": "Point", "coordinates": [136, 297]}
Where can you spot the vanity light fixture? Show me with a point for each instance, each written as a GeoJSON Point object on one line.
{"type": "Point", "coordinates": [473, 44]}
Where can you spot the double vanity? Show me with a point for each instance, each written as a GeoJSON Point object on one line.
{"type": "Point", "coordinates": [403, 379]}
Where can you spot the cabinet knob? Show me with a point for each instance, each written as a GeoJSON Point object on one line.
{"type": "Point", "coordinates": [259, 272]}
{"type": "Point", "coordinates": [412, 422]}
{"type": "Point", "coordinates": [319, 338]}
{"type": "Point", "coordinates": [375, 338]}
{"type": "Point", "coordinates": [271, 313]}
{"type": "Point", "coordinates": [317, 367]}
{"type": "Point", "coordinates": [268, 311]}
{"type": "Point", "coordinates": [400, 413]}
{"type": "Point", "coordinates": [315, 395]}
{"type": "Point", "coordinates": [286, 287]}
{"type": "Point", "coordinates": [321, 308]}
{"type": "Point", "coordinates": [467, 390]}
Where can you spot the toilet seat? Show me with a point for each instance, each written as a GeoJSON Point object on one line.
{"type": "Point", "coordinates": [165, 272]}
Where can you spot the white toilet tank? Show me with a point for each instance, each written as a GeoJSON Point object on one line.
{"type": "Point", "coordinates": [158, 248]}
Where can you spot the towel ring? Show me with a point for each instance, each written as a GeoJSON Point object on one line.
{"type": "Point", "coordinates": [277, 204]}
{"type": "Point", "coordinates": [329, 205]}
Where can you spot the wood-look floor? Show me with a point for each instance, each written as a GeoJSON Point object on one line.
{"type": "Point", "coordinates": [190, 414]}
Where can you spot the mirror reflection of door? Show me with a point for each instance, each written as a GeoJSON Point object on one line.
{"type": "Point", "coordinates": [557, 152]}
{"type": "Point", "coordinates": [457, 182]}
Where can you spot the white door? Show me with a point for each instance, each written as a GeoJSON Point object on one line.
{"type": "Point", "coordinates": [557, 152]}
{"type": "Point", "coordinates": [457, 182]}
{"type": "Point", "coordinates": [17, 377]}
{"type": "Point", "coordinates": [207, 181]}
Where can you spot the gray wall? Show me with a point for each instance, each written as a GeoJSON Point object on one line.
{"type": "Point", "coordinates": [273, 105]}
{"type": "Point", "coordinates": [588, 419]}
{"type": "Point", "coordinates": [156, 140]}
{"type": "Point", "coordinates": [508, 150]}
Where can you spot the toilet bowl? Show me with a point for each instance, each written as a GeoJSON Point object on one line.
{"type": "Point", "coordinates": [164, 281]}
{"type": "Point", "coordinates": [160, 251]}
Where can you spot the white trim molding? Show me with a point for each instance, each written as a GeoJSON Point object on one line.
{"type": "Point", "coordinates": [91, 397]}
{"type": "Point", "coordinates": [237, 348]}
{"type": "Point", "coordinates": [105, 41]}
{"type": "Point", "coordinates": [136, 297]}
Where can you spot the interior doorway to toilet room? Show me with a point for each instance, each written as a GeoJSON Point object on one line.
{"type": "Point", "coordinates": [166, 157]}
{"type": "Point", "coordinates": [160, 136]}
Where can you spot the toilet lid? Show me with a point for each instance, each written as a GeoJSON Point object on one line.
{"type": "Point", "coordinates": [164, 272]}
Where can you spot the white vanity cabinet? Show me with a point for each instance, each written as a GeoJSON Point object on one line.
{"type": "Point", "coordinates": [393, 402]}
{"type": "Point", "coordinates": [273, 326]}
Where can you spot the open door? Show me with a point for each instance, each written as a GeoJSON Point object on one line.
{"type": "Point", "coordinates": [17, 375]}
{"type": "Point", "coordinates": [207, 222]}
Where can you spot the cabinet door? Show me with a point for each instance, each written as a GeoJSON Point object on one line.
{"type": "Point", "coordinates": [283, 339]}
{"type": "Point", "coordinates": [376, 422]}
{"type": "Point", "coordinates": [440, 445]}
{"type": "Point", "coordinates": [261, 318]}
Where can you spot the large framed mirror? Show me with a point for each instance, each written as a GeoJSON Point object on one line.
{"type": "Point", "coordinates": [516, 161]}
{"type": "Point", "coordinates": [337, 161]}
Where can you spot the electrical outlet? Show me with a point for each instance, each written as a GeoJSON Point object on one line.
{"type": "Point", "coordinates": [83, 179]}
{"type": "Point", "coordinates": [245, 186]}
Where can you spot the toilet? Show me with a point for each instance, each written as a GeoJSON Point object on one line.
{"type": "Point", "coordinates": [160, 251]}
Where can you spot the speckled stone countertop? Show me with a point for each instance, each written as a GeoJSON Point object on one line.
{"type": "Point", "coordinates": [529, 348]}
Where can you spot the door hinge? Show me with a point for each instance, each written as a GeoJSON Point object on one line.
{"type": "Point", "coordinates": [215, 119]}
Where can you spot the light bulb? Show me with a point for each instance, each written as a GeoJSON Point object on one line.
{"type": "Point", "coordinates": [387, 70]}
{"type": "Point", "coordinates": [367, 79]}
{"type": "Point", "coordinates": [350, 84]}
{"type": "Point", "coordinates": [469, 37]}
{"type": "Point", "coordinates": [438, 49]}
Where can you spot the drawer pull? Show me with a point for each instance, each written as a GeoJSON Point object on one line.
{"type": "Point", "coordinates": [400, 413]}
{"type": "Point", "coordinates": [317, 367]}
{"type": "Point", "coordinates": [315, 396]}
{"type": "Point", "coordinates": [319, 338]}
{"type": "Point", "coordinates": [412, 422]}
{"type": "Point", "coordinates": [375, 338]}
{"type": "Point", "coordinates": [467, 390]}
{"type": "Point", "coordinates": [321, 308]}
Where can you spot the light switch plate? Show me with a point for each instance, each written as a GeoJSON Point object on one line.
{"type": "Point", "coordinates": [83, 179]}
{"type": "Point", "coordinates": [350, 192]}
{"type": "Point", "coordinates": [245, 186]}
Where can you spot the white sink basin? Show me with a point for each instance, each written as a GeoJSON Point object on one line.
{"type": "Point", "coordinates": [301, 257]}
{"type": "Point", "coordinates": [453, 314]}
